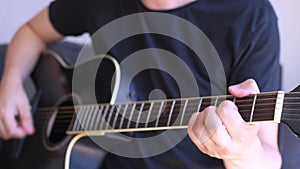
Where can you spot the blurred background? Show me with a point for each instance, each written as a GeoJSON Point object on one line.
{"type": "Point", "coordinates": [13, 13]}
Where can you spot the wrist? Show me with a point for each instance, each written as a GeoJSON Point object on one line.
{"type": "Point", "coordinates": [250, 158]}
{"type": "Point", "coordinates": [11, 79]}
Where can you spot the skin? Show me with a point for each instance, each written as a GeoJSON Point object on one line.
{"type": "Point", "coordinates": [228, 137]}
{"type": "Point", "coordinates": [221, 132]}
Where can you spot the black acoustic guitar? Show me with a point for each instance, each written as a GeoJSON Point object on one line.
{"type": "Point", "coordinates": [61, 134]}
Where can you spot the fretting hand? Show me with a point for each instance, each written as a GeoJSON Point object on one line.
{"type": "Point", "coordinates": [221, 132]}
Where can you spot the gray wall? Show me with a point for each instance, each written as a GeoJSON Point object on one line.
{"type": "Point", "coordinates": [15, 12]}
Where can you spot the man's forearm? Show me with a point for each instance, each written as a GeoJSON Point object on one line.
{"type": "Point", "coordinates": [22, 54]}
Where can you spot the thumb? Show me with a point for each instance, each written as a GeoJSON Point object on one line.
{"type": "Point", "coordinates": [26, 121]}
{"type": "Point", "coordinates": [244, 89]}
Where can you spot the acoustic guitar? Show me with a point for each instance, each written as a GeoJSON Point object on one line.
{"type": "Point", "coordinates": [61, 140]}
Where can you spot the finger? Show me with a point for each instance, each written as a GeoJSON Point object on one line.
{"type": "Point", "coordinates": [244, 89]}
{"type": "Point", "coordinates": [212, 120]}
{"type": "Point", "coordinates": [196, 128]}
{"type": "Point", "coordinates": [232, 120]}
{"type": "Point", "coordinates": [196, 132]}
{"type": "Point", "coordinates": [215, 129]}
{"type": "Point", "coordinates": [216, 146]}
{"type": "Point", "coordinates": [219, 144]}
{"type": "Point", "coordinates": [11, 128]}
{"type": "Point", "coordinates": [26, 121]}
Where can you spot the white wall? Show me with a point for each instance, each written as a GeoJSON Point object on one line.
{"type": "Point", "coordinates": [15, 12]}
{"type": "Point", "coordinates": [289, 24]}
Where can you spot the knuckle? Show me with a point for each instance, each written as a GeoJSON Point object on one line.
{"type": "Point", "coordinates": [209, 109]}
{"type": "Point", "coordinates": [251, 81]}
{"type": "Point", "coordinates": [226, 103]}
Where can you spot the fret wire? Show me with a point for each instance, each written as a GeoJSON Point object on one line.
{"type": "Point", "coordinates": [109, 117]}
{"type": "Point", "coordinates": [183, 111]}
{"type": "Point", "coordinates": [163, 115]}
{"type": "Point", "coordinates": [72, 121]}
{"type": "Point", "coordinates": [85, 117]}
{"type": "Point", "coordinates": [199, 105]}
{"type": "Point", "coordinates": [139, 115]}
{"type": "Point", "coordinates": [253, 105]}
{"type": "Point", "coordinates": [98, 117]}
{"type": "Point", "coordinates": [257, 104]}
{"type": "Point", "coordinates": [76, 123]}
{"type": "Point", "coordinates": [92, 120]}
{"type": "Point", "coordinates": [104, 116]}
{"type": "Point", "coordinates": [130, 117]}
{"type": "Point", "coordinates": [159, 113]}
{"type": "Point", "coordinates": [46, 109]}
{"type": "Point", "coordinates": [216, 102]}
{"type": "Point", "coordinates": [96, 111]}
{"type": "Point", "coordinates": [89, 117]}
{"type": "Point", "coordinates": [171, 112]}
{"type": "Point", "coordinates": [227, 96]}
{"type": "Point", "coordinates": [248, 116]}
{"type": "Point", "coordinates": [259, 114]}
{"type": "Point", "coordinates": [80, 120]}
{"type": "Point", "coordinates": [123, 116]}
{"type": "Point", "coordinates": [149, 113]}
{"type": "Point", "coordinates": [245, 114]}
{"type": "Point", "coordinates": [116, 116]}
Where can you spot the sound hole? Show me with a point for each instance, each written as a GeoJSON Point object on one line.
{"type": "Point", "coordinates": [61, 120]}
{"type": "Point", "coordinates": [58, 123]}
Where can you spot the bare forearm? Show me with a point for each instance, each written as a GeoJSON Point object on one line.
{"type": "Point", "coordinates": [22, 54]}
{"type": "Point", "coordinates": [26, 46]}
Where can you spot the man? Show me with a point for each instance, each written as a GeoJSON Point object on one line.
{"type": "Point", "coordinates": [244, 34]}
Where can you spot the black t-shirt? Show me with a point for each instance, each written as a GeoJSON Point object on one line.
{"type": "Point", "coordinates": [244, 34]}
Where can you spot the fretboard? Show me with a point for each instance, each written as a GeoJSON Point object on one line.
{"type": "Point", "coordinates": [169, 114]}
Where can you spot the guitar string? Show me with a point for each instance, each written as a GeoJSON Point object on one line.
{"type": "Point", "coordinates": [191, 107]}
{"type": "Point", "coordinates": [189, 114]}
{"type": "Point", "coordinates": [292, 98]}
{"type": "Point", "coordinates": [71, 111]}
{"type": "Point", "coordinates": [168, 101]}
{"type": "Point", "coordinates": [205, 99]}
{"type": "Point", "coordinates": [285, 109]}
{"type": "Point", "coordinates": [42, 110]}
{"type": "Point", "coordinates": [207, 103]}
{"type": "Point", "coordinates": [162, 122]}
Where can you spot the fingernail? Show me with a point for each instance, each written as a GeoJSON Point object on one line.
{"type": "Point", "coordinates": [235, 87]}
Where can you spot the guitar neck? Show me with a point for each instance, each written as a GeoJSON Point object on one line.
{"type": "Point", "coordinates": [169, 114]}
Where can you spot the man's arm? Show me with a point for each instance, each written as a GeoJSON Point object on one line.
{"type": "Point", "coordinates": [222, 133]}
{"type": "Point", "coordinates": [22, 54]}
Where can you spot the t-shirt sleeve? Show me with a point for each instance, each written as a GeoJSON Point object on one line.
{"type": "Point", "coordinates": [259, 56]}
{"type": "Point", "coordinates": [69, 17]}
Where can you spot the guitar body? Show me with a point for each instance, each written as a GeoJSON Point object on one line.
{"type": "Point", "coordinates": [51, 148]}
{"type": "Point", "coordinates": [46, 149]}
